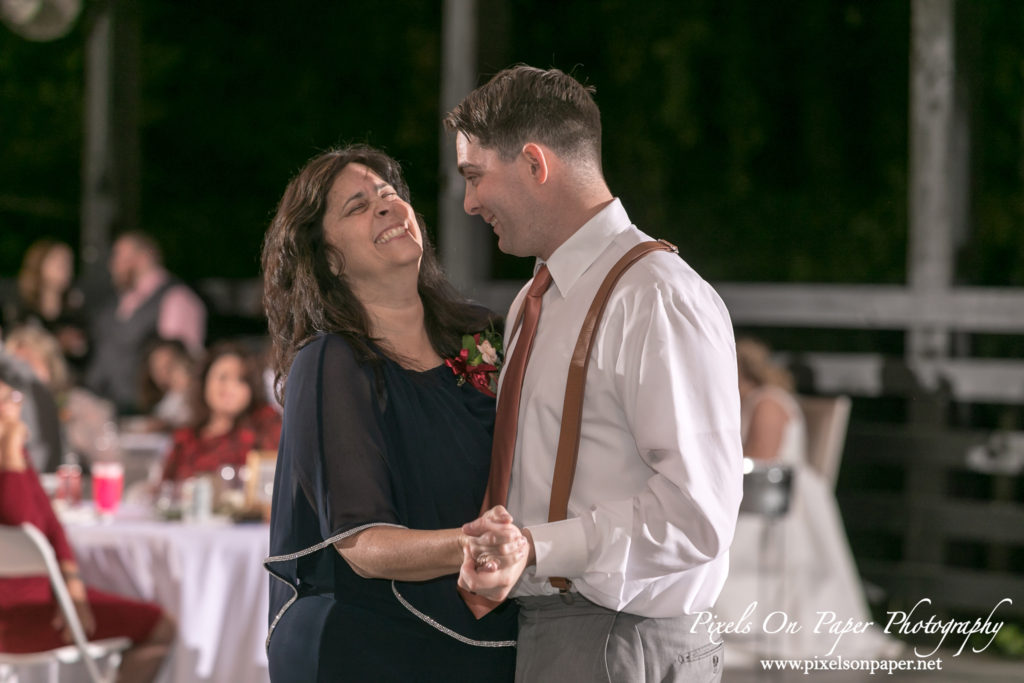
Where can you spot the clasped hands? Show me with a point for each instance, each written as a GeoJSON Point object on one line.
{"type": "Point", "coordinates": [494, 554]}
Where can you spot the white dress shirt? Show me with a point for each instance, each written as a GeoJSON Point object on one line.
{"type": "Point", "coordinates": [659, 477]}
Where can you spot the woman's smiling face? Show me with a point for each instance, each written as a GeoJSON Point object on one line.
{"type": "Point", "coordinates": [372, 228]}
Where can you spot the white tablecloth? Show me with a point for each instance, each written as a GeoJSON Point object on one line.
{"type": "Point", "coordinates": [209, 577]}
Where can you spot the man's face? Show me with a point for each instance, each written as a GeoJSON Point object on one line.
{"type": "Point", "coordinates": [499, 192]}
{"type": "Point", "coordinates": [123, 257]}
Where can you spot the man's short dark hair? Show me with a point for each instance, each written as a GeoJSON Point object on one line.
{"type": "Point", "coordinates": [522, 104]}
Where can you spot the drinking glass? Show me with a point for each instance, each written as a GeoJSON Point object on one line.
{"type": "Point", "coordinates": [107, 482]}
{"type": "Point", "coordinates": [69, 484]}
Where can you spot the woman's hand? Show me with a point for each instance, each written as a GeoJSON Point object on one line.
{"type": "Point", "coordinates": [493, 541]}
{"type": "Point", "coordinates": [495, 555]}
{"type": "Point", "coordinates": [13, 431]}
{"type": "Point", "coordinates": [77, 590]}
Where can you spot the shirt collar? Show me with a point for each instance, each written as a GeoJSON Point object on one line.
{"type": "Point", "coordinates": [579, 252]}
{"type": "Point", "coordinates": [147, 283]}
{"type": "Point", "coordinates": [150, 281]}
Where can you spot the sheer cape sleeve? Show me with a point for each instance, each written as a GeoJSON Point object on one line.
{"type": "Point", "coordinates": [340, 460]}
{"type": "Point", "coordinates": [331, 477]}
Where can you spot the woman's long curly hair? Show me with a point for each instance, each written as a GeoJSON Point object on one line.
{"type": "Point", "coordinates": [303, 298]}
{"type": "Point", "coordinates": [30, 276]}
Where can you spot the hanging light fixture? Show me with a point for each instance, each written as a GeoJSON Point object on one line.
{"type": "Point", "coordinates": [40, 20]}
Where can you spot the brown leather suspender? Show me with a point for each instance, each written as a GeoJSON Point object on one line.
{"type": "Point", "coordinates": [572, 407]}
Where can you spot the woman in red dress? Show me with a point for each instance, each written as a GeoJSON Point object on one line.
{"type": "Point", "coordinates": [230, 416]}
{"type": "Point", "coordinates": [30, 619]}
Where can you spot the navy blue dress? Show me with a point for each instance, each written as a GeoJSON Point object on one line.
{"type": "Point", "coordinates": [363, 444]}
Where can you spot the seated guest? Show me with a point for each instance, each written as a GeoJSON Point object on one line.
{"type": "Point", "coordinates": [817, 577]}
{"type": "Point", "coordinates": [78, 430]}
{"type": "Point", "coordinates": [167, 378]}
{"type": "Point", "coordinates": [771, 421]}
{"type": "Point", "coordinates": [42, 352]}
{"type": "Point", "coordinates": [30, 619]}
{"type": "Point", "coordinates": [25, 369]}
{"type": "Point", "coordinates": [229, 416]}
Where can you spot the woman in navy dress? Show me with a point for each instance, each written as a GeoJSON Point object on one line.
{"type": "Point", "coordinates": [384, 451]}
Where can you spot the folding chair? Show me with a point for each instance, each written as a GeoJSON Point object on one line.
{"type": "Point", "coordinates": [827, 419]}
{"type": "Point", "coordinates": [767, 493]}
{"type": "Point", "coordinates": [24, 551]}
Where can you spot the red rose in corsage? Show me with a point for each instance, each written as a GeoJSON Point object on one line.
{"type": "Point", "coordinates": [479, 361]}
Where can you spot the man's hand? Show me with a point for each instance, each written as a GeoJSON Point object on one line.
{"type": "Point", "coordinates": [492, 540]}
{"type": "Point", "coordinates": [494, 555]}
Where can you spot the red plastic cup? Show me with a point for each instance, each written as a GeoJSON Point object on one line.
{"type": "Point", "coordinates": [107, 482]}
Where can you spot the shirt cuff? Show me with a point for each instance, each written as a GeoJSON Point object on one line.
{"type": "Point", "coordinates": [561, 548]}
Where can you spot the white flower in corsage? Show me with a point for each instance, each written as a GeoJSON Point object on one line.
{"type": "Point", "coordinates": [479, 361]}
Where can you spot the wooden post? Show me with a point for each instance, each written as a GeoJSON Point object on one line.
{"type": "Point", "coordinates": [930, 204]}
{"type": "Point", "coordinates": [465, 241]}
{"type": "Point", "coordinates": [930, 248]}
{"type": "Point", "coordinates": [125, 112]}
{"type": "Point", "coordinates": [98, 198]}
{"type": "Point", "coordinates": [110, 156]}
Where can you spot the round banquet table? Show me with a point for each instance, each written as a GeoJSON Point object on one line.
{"type": "Point", "coordinates": [208, 576]}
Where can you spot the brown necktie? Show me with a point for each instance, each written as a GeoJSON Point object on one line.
{"type": "Point", "coordinates": [506, 422]}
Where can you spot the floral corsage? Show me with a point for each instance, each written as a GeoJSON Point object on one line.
{"type": "Point", "coordinates": [479, 361]}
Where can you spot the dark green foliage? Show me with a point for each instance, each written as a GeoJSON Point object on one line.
{"type": "Point", "coordinates": [992, 56]}
{"type": "Point", "coordinates": [768, 140]}
{"type": "Point", "coordinates": [238, 95]}
{"type": "Point", "coordinates": [40, 142]}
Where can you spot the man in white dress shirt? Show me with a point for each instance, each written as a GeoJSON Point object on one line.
{"type": "Point", "coordinates": [659, 477]}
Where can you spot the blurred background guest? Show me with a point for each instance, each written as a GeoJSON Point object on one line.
{"type": "Point", "coordinates": [46, 297]}
{"type": "Point", "coordinates": [150, 302]}
{"type": "Point", "coordinates": [42, 352]}
{"type": "Point", "coordinates": [25, 366]}
{"type": "Point", "coordinates": [815, 573]}
{"type": "Point", "coordinates": [771, 421]}
{"type": "Point", "coordinates": [230, 416]}
{"type": "Point", "coordinates": [68, 423]}
{"type": "Point", "coordinates": [30, 619]}
{"type": "Point", "coordinates": [166, 381]}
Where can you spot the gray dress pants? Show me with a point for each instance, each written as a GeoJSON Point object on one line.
{"type": "Point", "coordinates": [567, 642]}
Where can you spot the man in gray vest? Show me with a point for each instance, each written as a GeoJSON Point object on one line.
{"type": "Point", "coordinates": [150, 303]}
